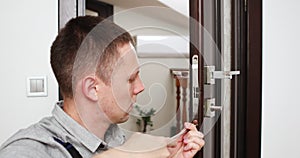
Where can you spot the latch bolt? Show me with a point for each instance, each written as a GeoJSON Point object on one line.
{"type": "Point", "coordinates": [211, 74]}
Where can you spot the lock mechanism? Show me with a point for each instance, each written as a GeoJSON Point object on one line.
{"type": "Point", "coordinates": [210, 107]}
{"type": "Point", "coordinates": [211, 74]}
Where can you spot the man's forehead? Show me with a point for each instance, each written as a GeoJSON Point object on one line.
{"type": "Point", "coordinates": [128, 59]}
{"type": "Point", "coordinates": [126, 48]}
{"type": "Point", "coordinates": [128, 53]}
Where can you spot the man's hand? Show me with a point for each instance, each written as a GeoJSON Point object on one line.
{"type": "Point", "coordinates": [188, 144]}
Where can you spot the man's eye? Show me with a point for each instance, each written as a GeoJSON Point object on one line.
{"type": "Point", "coordinates": [131, 79]}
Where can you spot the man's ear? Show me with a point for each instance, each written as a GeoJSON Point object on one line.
{"type": "Point", "coordinates": [90, 88]}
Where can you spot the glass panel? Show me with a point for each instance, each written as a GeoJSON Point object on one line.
{"type": "Point", "coordinates": [162, 45]}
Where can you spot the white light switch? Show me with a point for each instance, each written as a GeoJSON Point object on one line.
{"type": "Point", "coordinates": [37, 86]}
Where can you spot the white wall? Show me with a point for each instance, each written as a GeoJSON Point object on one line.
{"type": "Point", "coordinates": [26, 32]}
{"type": "Point", "coordinates": [281, 56]}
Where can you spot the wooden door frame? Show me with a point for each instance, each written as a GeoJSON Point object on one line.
{"type": "Point", "coordinates": [254, 80]}
{"type": "Point", "coordinates": [247, 88]}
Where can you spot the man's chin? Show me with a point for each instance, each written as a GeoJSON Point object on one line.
{"type": "Point", "coordinates": [124, 119]}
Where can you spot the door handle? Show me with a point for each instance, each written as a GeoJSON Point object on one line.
{"type": "Point", "coordinates": [195, 77]}
{"type": "Point", "coordinates": [195, 85]}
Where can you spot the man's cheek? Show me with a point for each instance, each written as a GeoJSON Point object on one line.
{"type": "Point", "coordinates": [122, 97]}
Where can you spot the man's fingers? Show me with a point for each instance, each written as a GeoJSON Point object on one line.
{"type": "Point", "coordinates": [190, 126]}
{"type": "Point", "coordinates": [192, 147]}
{"type": "Point", "coordinates": [193, 134]}
{"type": "Point", "coordinates": [196, 140]}
{"type": "Point", "coordinates": [195, 122]}
{"type": "Point", "coordinates": [193, 139]}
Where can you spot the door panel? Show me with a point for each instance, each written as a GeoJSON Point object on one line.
{"type": "Point", "coordinates": [214, 47]}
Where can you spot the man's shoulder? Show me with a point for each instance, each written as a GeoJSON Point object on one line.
{"type": "Point", "coordinates": [23, 147]}
{"type": "Point", "coordinates": [36, 131]}
{"type": "Point", "coordinates": [39, 132]}
{"type": "Point", "coordinates": [32, 146]}
{"type": "Point", "coordinates": [37, 139]}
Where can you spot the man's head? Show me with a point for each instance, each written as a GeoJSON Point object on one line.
{"type": "Point", "coordinates": [95, 63]}
{"type": "Point", "coordinates": [81, 40]}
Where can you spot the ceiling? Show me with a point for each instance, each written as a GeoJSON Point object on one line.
{"type": "Point", "coordinates": [133, 3]}
{"type": "Point", "coordinates": [175, 15]}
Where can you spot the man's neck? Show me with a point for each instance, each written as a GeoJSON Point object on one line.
{"type": "Point", "coordinates": [69, 108]}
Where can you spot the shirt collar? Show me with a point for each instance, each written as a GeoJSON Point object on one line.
{"type": "Point", "coordinates": [85, 137]}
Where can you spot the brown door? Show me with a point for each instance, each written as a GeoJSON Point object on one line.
{"type": "Point", "coordinates": [210, 52]}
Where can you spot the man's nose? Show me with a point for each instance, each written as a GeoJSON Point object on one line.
{"type": "Point", "coordinates": [139, 87]}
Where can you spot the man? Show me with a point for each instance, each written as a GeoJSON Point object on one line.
{"type": "Point", "coordinates": [96, 67]}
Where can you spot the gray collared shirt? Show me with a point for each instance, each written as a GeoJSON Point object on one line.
{"type": "Point", "coordinates": [38, 139]}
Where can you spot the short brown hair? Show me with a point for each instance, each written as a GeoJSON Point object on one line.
{"type": "Point", "coordinates": [84, 39]}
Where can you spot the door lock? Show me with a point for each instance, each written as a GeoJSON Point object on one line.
{"type": "Point", "coordinates": [210, 108]}
{"type": "Point", "coordinates": [211, 74]}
